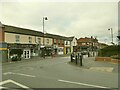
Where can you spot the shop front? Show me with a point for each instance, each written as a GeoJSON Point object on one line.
{"type": "Point", "coordinates": [21, 51]}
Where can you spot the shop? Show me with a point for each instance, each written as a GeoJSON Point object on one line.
{"type": "Point", "coordinates": [46, 51]}
{"type": "Point", "coordinates": [21, 51]}
{"type": "Point", "coordinates": [60, 50]}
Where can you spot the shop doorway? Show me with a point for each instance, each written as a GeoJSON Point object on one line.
{"type": "Point", "coordinates": [26, 54]}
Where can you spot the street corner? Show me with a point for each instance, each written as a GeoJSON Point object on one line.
{"type": "Point", "coordinates": [103, 69]}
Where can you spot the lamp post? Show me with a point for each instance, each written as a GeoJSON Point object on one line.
{"type": "Point", "coordinates": [111, 34]}
{"type": "Point", "coordinates": [44, 18]}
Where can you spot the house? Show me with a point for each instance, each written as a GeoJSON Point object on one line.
{"type": "Point", "coordinates": [88, 45]}
{"type": "Point", "coordinates": [24, 40]}
{"type": "Point", "coordinates": [30, 43]}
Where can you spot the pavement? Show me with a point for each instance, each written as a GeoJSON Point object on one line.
{"type": "Point", "coordinates": [91, 64]}
{"type": "Point", "coordinates": [88, 63]}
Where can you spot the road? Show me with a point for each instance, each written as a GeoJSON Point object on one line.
{"type": "Point", "coordinates": [54, 73]}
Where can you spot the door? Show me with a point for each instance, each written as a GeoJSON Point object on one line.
{"type": "Point", "coordinates": [27, 54]}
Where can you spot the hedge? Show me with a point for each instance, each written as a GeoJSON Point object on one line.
{"type": "Point", "coordinates": [109, 51]}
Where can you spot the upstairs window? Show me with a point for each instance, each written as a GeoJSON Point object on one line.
{"type": "Point", "coordinates": [17, 38]}
{"type": "Point", "coordinates": [59, 42]}
{"type": "Point", "coordinates": [39, 40]}
{"type": "Point", "coordinates": [62, 42]}
{"type": "Point", "coordinates": [30, 39]}
{"type": "Point", "coordinates": [55, 41]}
{"type": "Point", "coordinates": [66, 42]}
{"type": "Point", "coordinates": [47, 41]}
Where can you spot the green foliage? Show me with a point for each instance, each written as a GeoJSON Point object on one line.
{"type": "Point", "coordinates": [109, 51]}
{"type": "Point", "coordinates": [116, 56]}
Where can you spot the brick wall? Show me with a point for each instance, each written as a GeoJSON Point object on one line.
{"type": "Point", "coordinates": [1, 34]}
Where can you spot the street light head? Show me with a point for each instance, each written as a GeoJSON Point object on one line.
{"type": "Point", "coordinates": [46, 18]}
{"type": "Point", "coordinates": [118, 37]}
{"type": "Point", "coordinates": [110, 29]}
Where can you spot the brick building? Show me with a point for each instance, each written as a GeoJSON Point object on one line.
{"type": "Point", "coordinates": [31, 43]}
{"type": "Point", "coordinates": [87, 45]}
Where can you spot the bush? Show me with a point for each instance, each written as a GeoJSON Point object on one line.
{"type": "Point", "coordinates": [109, 51]}
{"type": "Point", "coordinates": [115, 56]}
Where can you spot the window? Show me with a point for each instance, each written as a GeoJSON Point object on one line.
{"type": "Point", "coordinates": [54, 40]}
{"type": "Point", "coordinates": [59, 42]}
{"type": "Point", "coordinates": [17, 38]}
{"type": "Point", "coordinates": [66, 43]}
{"type": "Point", "coordinates": [62, 42]}
{"type": "Point", "coordinates": [83, 43]}
{"type": "Point", "coordinates": [47, 41]}
{"type": "Point", "coordinates": [39, 40]}
{"type": "Point", "coordinates": [30, 39]}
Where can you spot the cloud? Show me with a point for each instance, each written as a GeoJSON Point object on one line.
{"type": "Point", "coordinates": [78, 19]}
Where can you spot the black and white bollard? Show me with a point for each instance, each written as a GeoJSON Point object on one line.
{"type": "Point", "coordinates": [81, 57]}
{"type": "Point", "coordinates": [76, 59]}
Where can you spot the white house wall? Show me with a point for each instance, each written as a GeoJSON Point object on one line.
{"type": "Point", "coordinates": [24, 39]}
{"type": "Point", "coordinates": [50, 41]}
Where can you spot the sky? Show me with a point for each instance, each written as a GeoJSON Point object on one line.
{"type": "Point", "coordinates": [67, 18]}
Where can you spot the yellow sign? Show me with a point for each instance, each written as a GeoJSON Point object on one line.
{"type": "Point", "coordinates": [3, 48]}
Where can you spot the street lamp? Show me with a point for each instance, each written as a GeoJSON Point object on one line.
{"type": "Point", "coordinates": [118, 37]}
{"type": "Point", "coordinates": [44, 18]}
{"type": "Point", "coordinates": [111, 34]}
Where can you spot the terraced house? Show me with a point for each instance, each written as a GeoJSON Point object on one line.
{"type": "Point", "coordinates": [27, 43]}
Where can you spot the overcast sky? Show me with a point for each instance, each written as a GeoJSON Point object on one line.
{"type": "Point", "coordinates": [79, 19]}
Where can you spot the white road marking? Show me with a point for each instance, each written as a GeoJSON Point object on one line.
{"type": "Point", "coordinates": [83, 84]}
{"type": "Point", "coordinates": [16, 83]}
{"type": "Point", "coordinates": [7, 73]}
{"type": "Point", "coordinates": [3, 87]}
{"type": "Point", "coordinates": [18, 74]}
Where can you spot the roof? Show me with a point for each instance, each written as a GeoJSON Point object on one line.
{"type": "Point", "coordinates": [86, 39]}
{"type": "Point", "coordinates": [18, 30]}
{"type": "Point", "coordinates": [103, 44]}
{"type": "Point", "coordinates": [58, 37]}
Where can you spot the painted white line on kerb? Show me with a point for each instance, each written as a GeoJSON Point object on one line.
{"type": "Point", "coordinates": [3, 88]}
{"type": "Point", "coordinates": [18, 74]}
{"type": "Point", "coordinates": [82, 84]}
{"type": "Point", "coordinates": [16, 83]}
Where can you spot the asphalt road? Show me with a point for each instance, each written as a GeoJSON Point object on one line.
{"type": "Point", "coordinates": [54, 73]}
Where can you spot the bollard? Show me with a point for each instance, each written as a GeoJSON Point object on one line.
{"type": "Point", "coordinates": [76, 59]}
{"type": "Point", "coordinates": [71, 58]}
{"type": "Point", "coordinates": [78, 56]}
{"type": "Point", "coordinates": [88, 54]}
{"type": "Point", "coordinates": [81, 57]}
